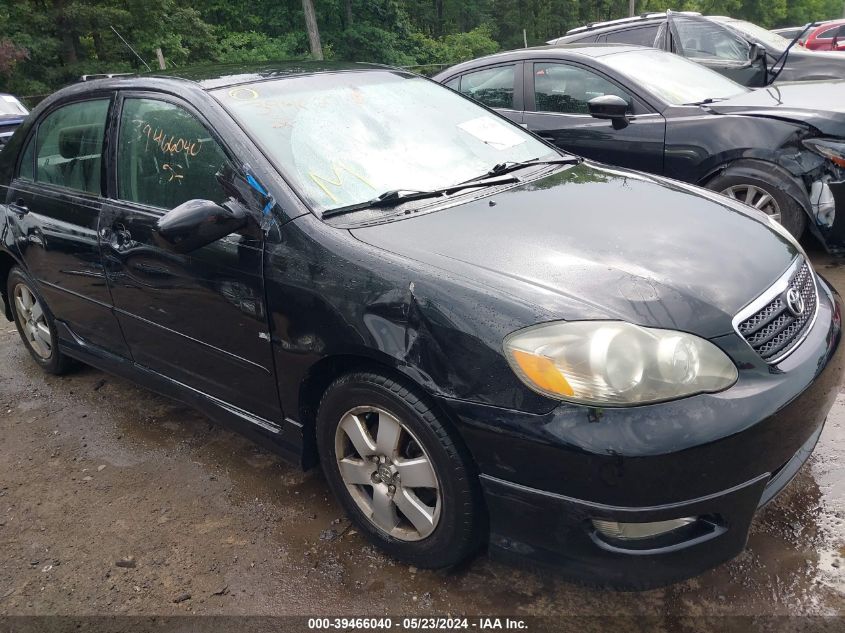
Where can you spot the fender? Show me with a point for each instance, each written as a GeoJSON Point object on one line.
{"type": "Point", "coordinates": [786, 181]}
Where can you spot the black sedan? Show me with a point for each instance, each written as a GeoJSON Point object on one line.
{"type": "Point", "coordinates": [741, 50]}
{"type": "Point", "coordinates": [780, 149]}
{"type": "Point", "coordinates": [481, 339]}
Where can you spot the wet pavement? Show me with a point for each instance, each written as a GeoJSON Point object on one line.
{"type": "Point", "coordinates": [95, 471]}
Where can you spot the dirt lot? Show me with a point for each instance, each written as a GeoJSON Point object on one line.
{"type": "Point", "coordinates": [94, 470]}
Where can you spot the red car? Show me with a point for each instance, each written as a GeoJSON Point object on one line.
{"type": "Point", "coordinates": [827, 37]}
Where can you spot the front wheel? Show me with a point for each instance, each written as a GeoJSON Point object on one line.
{"type": "Point", "coordinates": [398, 471]}
{"type": "Point", "coordinates": [757, 191]}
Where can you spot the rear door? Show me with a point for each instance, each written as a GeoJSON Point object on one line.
{"type": "Point", "coordinates": [557, 96]}
{"type": "Point", "coordinates": [198, 318]}
{"type": "Point", "coordinates": [498, 87]}
{"type": "Point", "coordinates": [57, 199]}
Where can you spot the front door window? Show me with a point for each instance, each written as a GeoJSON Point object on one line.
{"type": "Point", "coordinates": [704, 40]}
{"type": "Point", "coordinates": [166, 156]}
{"type": "Point", "coordinates": [567, 89]}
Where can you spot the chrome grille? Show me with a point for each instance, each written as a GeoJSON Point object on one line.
{"type": "Point", "coordinates": [774, 329]}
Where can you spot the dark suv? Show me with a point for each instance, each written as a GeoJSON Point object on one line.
{"type": "Point", "coordinates": [745, 52]}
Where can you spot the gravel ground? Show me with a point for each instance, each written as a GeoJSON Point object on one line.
{"type": "Point", "coordinates": [114, 500]}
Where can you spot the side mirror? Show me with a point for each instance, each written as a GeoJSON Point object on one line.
{"type": "Point", "coordinates": [610, 107]}
{"type": "Point", "coordinates": [756, 52]}
{"type": "Point", "coordinates": [197, 223]}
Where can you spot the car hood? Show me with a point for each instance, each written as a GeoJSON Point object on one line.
{"type": "Point", "coordinates": [820, 104]}
{"type": "Point", "coordinates": [807, 65]}
{"type": "Point", "coordinates": [592, 242]}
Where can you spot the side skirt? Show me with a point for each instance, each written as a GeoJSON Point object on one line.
{"type": "Point", "coordinates": [286, 439]}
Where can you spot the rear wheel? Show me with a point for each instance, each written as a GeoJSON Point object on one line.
{"type": "Point", "coordinates": [754, 188]}
{"type": "Point", "coordinates": [398, 471]}
{"type": "Point", "coordinates": [35, 323]}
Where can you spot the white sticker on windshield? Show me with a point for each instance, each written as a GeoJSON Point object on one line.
{"type": "Point", "coordinates": [490, 131]}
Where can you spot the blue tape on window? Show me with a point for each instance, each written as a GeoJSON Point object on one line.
{"type": "Point", "coordinates": [257, 186]}
{"type": "Point", "coordinates": [254, 184]}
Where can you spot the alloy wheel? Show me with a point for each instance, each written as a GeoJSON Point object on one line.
{"type": "Point", "coordinates": [33, 321]}
{"type": "Point", "coordinates": [388, 473]}
{"type": "Point", "coordinates": [756, 197]}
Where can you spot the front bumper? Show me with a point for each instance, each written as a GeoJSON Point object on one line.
{"type": "Point", "coordinates": [718, 458]}
{"type": "Point", "coordinates": [553, 530]}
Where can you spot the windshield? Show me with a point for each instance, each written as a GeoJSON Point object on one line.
{"type": "Point", "coordinates": [773, 42]}
{"type": "Point", "coordinates": [10, 105]}
{"type": "Point", "coordinates": [344, 138]}
{"type": "Point", "coordinates": [673, 78]}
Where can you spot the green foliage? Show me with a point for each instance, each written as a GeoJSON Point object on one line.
{"type": "Point", "coordinates": [47, 43]}
{"type": "Point", "coordinates": [252, 46]}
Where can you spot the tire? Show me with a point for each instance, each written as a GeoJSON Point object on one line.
{"type": "Point", "coordinates": [737, 180]}
{"type": "Point", "coordinates": [740, 179]}
{"type": "Point", "coordinates": [448, 529]}
{"type": "Point", "coordinates": [35, 323]}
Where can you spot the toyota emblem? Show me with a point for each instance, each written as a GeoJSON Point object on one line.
{"type": "Point", "coordinates": [795, 302]}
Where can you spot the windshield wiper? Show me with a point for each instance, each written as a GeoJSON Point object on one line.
{"type": "Point", "coordinates": [396, 197]}
{"type": "Point", "coordinates": [509, 166]}
{"type": "Point", "coordinates": [783, 56]}
{"type": "Point", "coordinates": [706, 101]}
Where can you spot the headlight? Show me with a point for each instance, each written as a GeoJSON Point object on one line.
{"type": "Point", "coordinates": [829, 148]}
{"type": "Point", "coordinates": [613, 363]}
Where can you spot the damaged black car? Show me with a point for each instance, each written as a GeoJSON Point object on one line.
{"type": "Point", "coordinates": [741, 50]}
{"type": "Point", "coordinates": [484, 341]}
{"type": "Point", "coordinates": [780, 149]}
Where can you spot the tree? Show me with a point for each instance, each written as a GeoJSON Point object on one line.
{"type": "Point", "coordinates": [313, 31]}
{"type": "Point", "coordinates": [48, 43]}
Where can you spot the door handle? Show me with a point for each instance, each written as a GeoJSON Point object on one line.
{"type": "Point", "coordinates": [19, 207]}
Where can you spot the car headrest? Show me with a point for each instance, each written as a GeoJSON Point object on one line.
{"type": "Point", "coordinates": [81, 140]}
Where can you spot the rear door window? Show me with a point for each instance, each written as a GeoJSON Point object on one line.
{"type": "Point", "coordinates": [494, 87]}
{"type": "Point", "coordinates": [640, 36]}
{"type": "Point", "coordinates": [829, 34]}
{"type": "Point", "coordinates": [69, 146]}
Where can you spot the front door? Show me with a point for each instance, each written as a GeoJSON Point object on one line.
{"type": "Point", "coordinates": [198, 318]}
{"type": "Point", "coordinates": [716, 46]}
{"type": "Point", "coordinates": [557, 96]}
{"type": "Point", "coordinates": [57, 199]}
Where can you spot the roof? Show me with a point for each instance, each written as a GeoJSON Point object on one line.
{"type": "Point", "coordinates": [591, 49]}
{"type": "Point", "coordinates": [183, 81]}
{"type": "Point", "coordinates": [210, 77]}
{"type": "Point", "coordinates": [643, 17]}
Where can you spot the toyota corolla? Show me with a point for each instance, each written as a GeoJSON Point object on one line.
{"type": "Point", "coordinates": [485, 342]}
